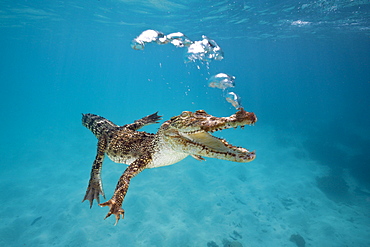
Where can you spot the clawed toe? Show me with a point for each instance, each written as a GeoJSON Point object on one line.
{"type": "Point", "coordinates": [114, 209]}
{"type": "Point", "coordinates": [92, 194]}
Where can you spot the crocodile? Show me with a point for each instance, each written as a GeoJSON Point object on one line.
{"type": "Point", "coordinates": [186, 134]}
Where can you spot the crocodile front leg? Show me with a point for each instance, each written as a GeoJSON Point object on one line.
{"type": "Point", "coordinates": [115, 203]}
{"type": "Point", "coordinates": [138, 124]}
{"type": "Point", "coordinates": [95, 187]}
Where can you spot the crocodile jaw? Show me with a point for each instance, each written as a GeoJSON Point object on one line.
{"type": "Point", "coordinates": [204, 144]}
{"type": "Point", "coordinates": [190, 133]}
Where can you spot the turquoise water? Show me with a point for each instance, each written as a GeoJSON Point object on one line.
{"type": "Point", "coordinates": [302, 68]}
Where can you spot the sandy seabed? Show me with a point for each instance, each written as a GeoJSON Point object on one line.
{"type": "Point", "coordinates": [272, 201]}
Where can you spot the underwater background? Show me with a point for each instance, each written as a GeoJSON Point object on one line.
{"type": "Point", "coordinates": [301, 67]}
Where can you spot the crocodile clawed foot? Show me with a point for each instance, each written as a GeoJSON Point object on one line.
{"type": "Point", "coordinates": [92, 193]}
{"type": "Point", "coordinates": [114, 209]}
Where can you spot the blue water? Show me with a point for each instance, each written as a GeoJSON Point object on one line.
{"type": "Point", "coordinates": [301, 67]}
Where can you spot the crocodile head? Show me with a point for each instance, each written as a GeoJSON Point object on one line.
{"type": "Point", "coordinates": [190, 133]}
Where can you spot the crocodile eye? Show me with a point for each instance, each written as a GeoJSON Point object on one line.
{"type": "Point", "coordinates": [185, 114]}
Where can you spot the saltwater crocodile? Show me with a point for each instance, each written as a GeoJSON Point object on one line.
{"type": "Point", "coordinates": [183, 135]}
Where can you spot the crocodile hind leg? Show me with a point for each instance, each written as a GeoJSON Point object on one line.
{"type": "Point", "coordinates": [115, 203]}
{"type": "Point", "coordinates": [95, 187]}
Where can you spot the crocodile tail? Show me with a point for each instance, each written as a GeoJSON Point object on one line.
{"type": "Point", "coordinates": [97, 124]}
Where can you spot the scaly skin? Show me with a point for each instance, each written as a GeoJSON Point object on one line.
{"type": "Point", "coordinates": [183, 135]}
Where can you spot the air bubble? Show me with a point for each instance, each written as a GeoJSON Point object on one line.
{"type": "Point", "coordinates": [221, 81]}
{"type": "Point", "coordinates": [234, 99]}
